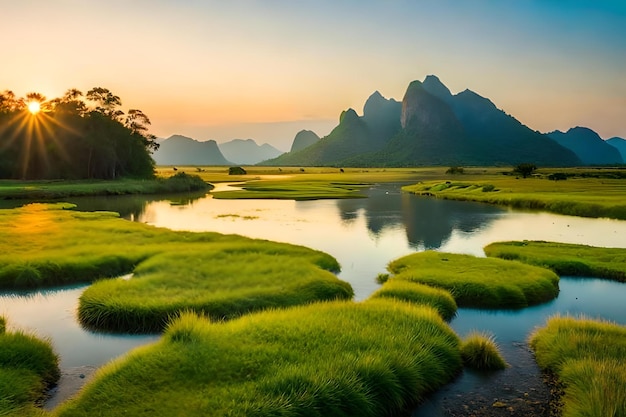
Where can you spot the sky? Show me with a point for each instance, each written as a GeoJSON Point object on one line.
{"type": "Point", "coordinates": [265, 69]}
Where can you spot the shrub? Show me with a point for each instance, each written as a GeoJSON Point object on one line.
{"type": "Point", "coordinates": [488, 188]}
{"type": "Point", "coordinates": [455, 170]}
{"type": "Point", "coordinates": [236, 171]}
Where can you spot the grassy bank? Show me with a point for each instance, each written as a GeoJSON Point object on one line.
{"type": "Point", "coordinates": [583, 196]}
{"type": "Point", "coordinates": [55, 190]}
{"type": "Point", "coordinates": [28, 366]}
{"type": "Point", "coordinates": [332, 359]}
{"type": "Point", "coordinates": [565, 258]}
{"type": "Point", "coordinates": [220, 275]}
{"type": "Point", "coordinates": [479, 282]}
{"type": "Point", "coordinates": [293, 190]}
{"type": "Point", "coordinates": [588, 358]}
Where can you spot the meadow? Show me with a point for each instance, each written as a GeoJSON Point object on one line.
{"type": "Point", "coordinates": [588, 358]}
{"type": "Point", "coordinates": [565, 258]}
{"type": "Point", "coordinates": [478, 282]}
{"type": "Point", "coordinates": [28, 366]}
{"type": "Point", "coordinates": [585, 192]}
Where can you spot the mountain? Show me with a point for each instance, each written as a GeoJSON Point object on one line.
{"type": "Point", "coordinates": [247, 152]}
{"type": "Point", "coordinates": [431, 126]}
{"type": "Point", "coordinates": [304, 139]}
{"type": "Point", "coordinates": [181, 150]}
{"type": "Point", "coordinates": [354, 135]}
{"type": "Point", "coordinates": [588, 145]}
{"type": "Point", "coordinates": [619, 144]}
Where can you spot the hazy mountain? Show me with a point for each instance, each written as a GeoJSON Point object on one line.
{"type": "Point", "coordinates": [588, 145]}
{"type": "Point", "coordinates": [619, 144]}
{"type": "Point", "coordinates": [247, 152]}
{"type": "Point", "coordinates": [303, 139]}
{"type": "Point", "coordinates": [181, 150]}
{"type": "Point", "coordinates": [355, 135]}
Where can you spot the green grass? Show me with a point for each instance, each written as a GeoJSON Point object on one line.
{"type": "Point", "coordinates": [565, 258]}
{"type": "Point", "coordinates": [441, 300]}
{"type": "Point", "coordinates": [55, 190]}
{"type": "Point", "coordinates": [479, 282]}
{"type": "Point", "coordinates": [578, 196]}
{"type": "Point", "coordinates": [293, 190]}
{"type": "Point", "coordinates": [220, 275]}
{"type": "Point", "coordinates": [374, 358]}
{"type": "Point", "coordinates": [588, 358]}
{"type": "Point", "coordinates": [481, 352]}
{"type": "Point", "coordinates": [28, 366]}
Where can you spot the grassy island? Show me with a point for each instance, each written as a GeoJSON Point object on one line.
{"type": "Point", "coordinates": [28, 366]}
{"type": "Point", "coordinates": [577, 196]}
{"type": "Point", "coordinates": [588, 358]}
{"type": "Point", "coordinates": [374, 358]}
{"type": "Point", "coordinates": [565, 258]}
{"type": "Point", "coordinates": [478, 282]}
{"type": "Point", "coordinates": [220, 275]}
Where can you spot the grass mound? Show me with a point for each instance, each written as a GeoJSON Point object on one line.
{"type": "Point", "coordinates": [479, 282]}
{"type": "Point", "coordinates": [220, 275]}
{"type": "Point", "coordinates": [480, 351]}
{"type": "Point", "coordinates": [588, 357]}
{"type": "Point", "coordinates": [565, 258]}
{"type": "Point", "coordinates": [293, 190]}
{"type": "Point", "coordinates": [374, 358]}
{"type": "Point", "coordinates": [28, 366]}
{"type": "Point", "coordinates": [441, 300]}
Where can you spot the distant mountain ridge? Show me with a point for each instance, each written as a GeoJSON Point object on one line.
{"type": "Point", "coordinates": [588, 146]}
{"type": "Point", "coordinates": [619, 144]}
{"type": "Point", "coordinates": [247, 151]}
{"type": "Point", "coordinates": [181, 150]}
{"type": "Point", "coordinates": [431, 126]}
{"type": "Point", "coordinates": [304, 139]}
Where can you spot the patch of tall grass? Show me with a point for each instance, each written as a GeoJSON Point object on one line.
{"type": "Point", "coordinates": [479, 282]}
{"type": "Point", "coordinates": [481, 352]}
{"type": "Point", "coordinates": [588, 357]}
{"type": "Point", "coordinates": [584, 196]}
{"type": "Point", "coordinates": [220, 275]}
{"type": "Point", "coordinates": [565, 258]}
{"type": "Point", "coordinates": [374, 358]}
{"type": "Point", "coordinates": [441, 300]}
{"type": "Point", "coordinates": [28, 366]}
{"type": "Point", "coordinates": [293, 190]}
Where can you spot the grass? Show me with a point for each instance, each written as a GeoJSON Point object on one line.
{"type": "Point", "coordinates": [374, 358]}
{"type": "Point", "coordinates": [220, 275]}
{"type": "Point", "coordinates": [56, 190]}
{"type": "Point", "coordinates": [479, 282]}
{"type": "Point", "coordinates": [588, 358]}
{"type": "Point", "coordinates": [437, 298]}
{"type": "Point", "coordinates": [565, 258]}
{"type": "Point", "coordinates": [578, 196]}
{"type": "Point", "coordinates": [28, 366]}
{"type": "Point", "coordinates": [481, 352]}
{"type": "Point", "coordinates": [293, 190]}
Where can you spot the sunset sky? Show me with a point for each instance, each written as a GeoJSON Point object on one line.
{"type": "Point", "coordinates": [266, 69]}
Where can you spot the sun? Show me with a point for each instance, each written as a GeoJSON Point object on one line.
{"type": "Point", "coordinates": [34, 107]}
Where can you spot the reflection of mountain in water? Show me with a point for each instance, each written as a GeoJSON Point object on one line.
{"type": "Point", "coordinates": [428, 222]}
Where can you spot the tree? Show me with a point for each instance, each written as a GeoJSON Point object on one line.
{"type": "Point", "coordinates": [525, 169]}
{"type": "Point", "coordinates": [107, 102]}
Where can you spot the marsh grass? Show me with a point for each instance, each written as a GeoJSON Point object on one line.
{"type": "Point", "coordinates": [220, 275]}
{"type": "Point", "coordinates": [588, 357]}
{"type": "Point", "coordinates": [479, 282]}
{"type": "Point", "coordinates": [583, 196]}
{"type": "Point", "coordinates": [565, 258]}
{"type": "Point", "coordinates": [480, 351]}
{"type": "Point", "coordinates": [55, 190]}
{"type": "Point", "coordinates": [441, 300]}
{"type": "Point", "coordinates": [293, 190]}
{"type": "Point", "coordinates": [28, 366]}
{"type": "Point", "coordinates": [373, 358]}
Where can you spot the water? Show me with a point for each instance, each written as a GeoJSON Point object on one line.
{"type": "Point", "coordinates": [363, 234]}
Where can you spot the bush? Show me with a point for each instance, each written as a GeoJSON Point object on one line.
{"type": "Point", "coordinates": [455, 170]}
{"type": "Point", "coordinates": [236, 171]}
{"type": "Point", "coordinates": [488, 188]}
{"type": "Point", "coordinates": [480, 351]}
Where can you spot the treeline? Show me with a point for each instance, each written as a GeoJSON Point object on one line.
{"type": "Point", "coordinates": [73, 137]}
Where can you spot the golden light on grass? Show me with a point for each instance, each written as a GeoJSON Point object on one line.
{"type": "Point", "coordinates": [34, 107]}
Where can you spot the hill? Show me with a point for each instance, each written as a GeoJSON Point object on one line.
{"type": "Point", "coordinates": [181, 150]}
{"type": "Point", "coordinates": [304, 139]}
{"type": "Point", "coordinates": [588, 146]}
{"type": "Point", "coordinates": [247, 152]}
{"type": "Point", "coordinates": [619, 144]}
{"type": "Point", "coordinates": [431, 126]}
